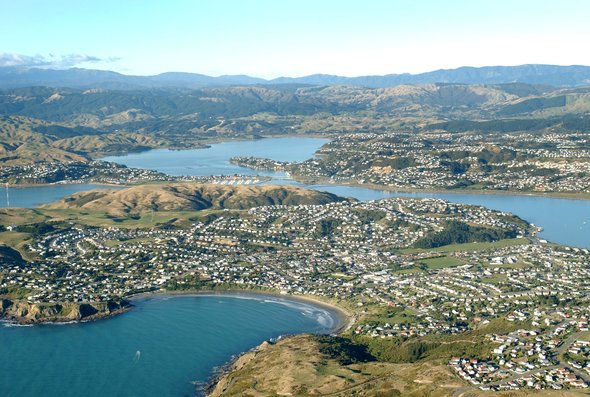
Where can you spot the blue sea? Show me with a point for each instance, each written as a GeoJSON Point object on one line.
{"type": "Point", "coordinates": [163, 347]}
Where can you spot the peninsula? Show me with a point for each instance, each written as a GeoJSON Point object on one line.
{"type": "Point", "coordinates": [430, 285]}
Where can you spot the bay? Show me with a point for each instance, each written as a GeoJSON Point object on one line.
{"type": "Point", "coordinates": [166, 343]}
{"type": "Point", "coordinates": [157, 349]}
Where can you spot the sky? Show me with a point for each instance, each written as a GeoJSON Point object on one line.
{"type": "Point", "coordinates": [271, 38]}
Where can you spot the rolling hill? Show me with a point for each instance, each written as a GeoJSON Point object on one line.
{"type": "Point", "coordinates": [61, 124]}
{"type": "Point", "coordinates": [94, 112]}
{"type": "Point", "coordinates": [190, 197]}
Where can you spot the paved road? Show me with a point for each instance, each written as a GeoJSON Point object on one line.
{"type": "Point", "coordinates": [465, 389]}
{"type": "Point", "coordinates": [563, 348]}
{"type": "Point", "coordinates": [558, 358]}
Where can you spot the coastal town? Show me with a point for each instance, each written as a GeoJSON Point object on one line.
{"type": "Point", "coordinates": [317, 250]}
{"type": "Point", "coordinates": [417, 271]}
{"type": "Point", "coordinates": [296, 199]}
{"type": "Point", "coordinates": [104, 172]}
{"type": "Point", "coordinates": [519, 162]}
{"type": "Point", "coordinates": [359, 254]}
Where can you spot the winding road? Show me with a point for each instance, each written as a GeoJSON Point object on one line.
{"type": "Point", "coordinates": [558, 356]}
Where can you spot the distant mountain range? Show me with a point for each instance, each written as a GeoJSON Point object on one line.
{"type": "Point", "coordinates": [559, 76]}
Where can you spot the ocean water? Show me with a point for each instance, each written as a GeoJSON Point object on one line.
{"type": "Point", "coordinates": [157, 349]}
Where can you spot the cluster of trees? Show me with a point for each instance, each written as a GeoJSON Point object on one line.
{"type": "Point", "coordinates": [369, 216]}
{"type": "Point", "coordinates": [9, 255]}
{"type": "Point", "coordinates": [397, 163]}
{"type": "Point", "coordinates": [36, 229]}
{"type": "Point", "coordinates": [327, 227]}
{"type": "Point", "coordinates": [455, 167]}
{"type": "Point", "coordinates": [530, 105]}
{"type": "Point", "coordinates": [343, 350]}
{"type": "Point", "coordinates": [396, 350]}
{"type": "Point", "coordinates": [456, 232]}
{"type": "Point", "coordinates": [491, 155]}
{"type": "Point", "coordinates": [568, 123]}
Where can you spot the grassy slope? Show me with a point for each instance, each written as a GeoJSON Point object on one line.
{"type": "Point", "coordinates": [20, 143]}
{"type": "Point", "coordinates": [294, 366]}
{"type": "Point", "coordinates": [75, 123]}
{"type": "Point", "coordinates": [189, 197]}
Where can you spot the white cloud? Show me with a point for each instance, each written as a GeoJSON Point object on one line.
{"type": "Point", "coordinates": [49, 61]}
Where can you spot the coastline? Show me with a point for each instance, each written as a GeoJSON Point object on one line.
{"type": "Point", "coordinates": [206, 143]}
{"type": "Point", "coordinates": [327, 182]}
{"type": "Point", "coordinates": [342, 317]}
{"type": "Point", "coordinates": [310, 181]}
{"type": "Point", "coordinates": [77, 316]}
{"type": "Point", "coordinates": [385, 188]}
{"type": "Point", "coordinates": [30, 185]}
{"type": "Point", "coordinates": [204, 389]}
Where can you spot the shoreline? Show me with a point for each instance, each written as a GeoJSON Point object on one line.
{"type": "Point", "coordinates": [385, 188]}
{"type": "Point", "coordinates": [307, 183]}
{"type": "Point", "coordinates": [343, 318]}
{"type": "Point", "coordinates": [24, 321]}
{"type": "Point", "coordinates": [207, 143]}
{"type": "Point", "coordinates": [328, 136]}
{"type": "Point", "coordinates": [68, 183]}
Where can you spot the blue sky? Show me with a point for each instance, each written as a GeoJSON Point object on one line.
{"type": "Point", "coordinates": [270, 38]}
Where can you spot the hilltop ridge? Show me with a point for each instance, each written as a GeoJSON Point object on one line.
{"type": "Point", "coordinates": [191, 197]}
{"type": "Point", "coordinates": [563, 76]}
